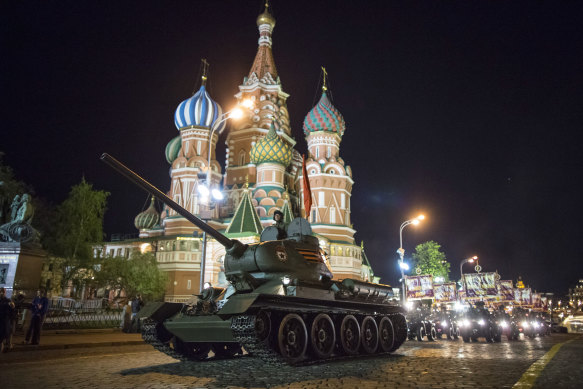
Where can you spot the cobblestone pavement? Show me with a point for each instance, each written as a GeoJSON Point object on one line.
{"type": "Point", "coordinates": [442, 364]}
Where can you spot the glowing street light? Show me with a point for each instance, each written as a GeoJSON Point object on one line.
{"type": "Point", "coordinates": [401, 251]}
{"type": "Point", "coordinates": [464, 261]}
{"type": "Point", "coordinates": [205, 189]}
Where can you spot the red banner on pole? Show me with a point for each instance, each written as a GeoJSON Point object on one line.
{"type": "Point", "coordinates": [306, 188]}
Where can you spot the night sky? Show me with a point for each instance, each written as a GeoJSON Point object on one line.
{"type": "Point", "coordinates": [467, 111]}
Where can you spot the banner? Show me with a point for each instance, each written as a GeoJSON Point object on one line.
{"type": "Point", "coordinates": [306, 189]}
{"type": "Point", "coordinates": [480, 285]}
{"type": "Point", "coordinates": [444, 293]}
{"type": "Point", "coordinates": [419, 287]}
{"type": "Point", "coordinates": [523, 296]}
{"type": "Point", "coordinates": [505, 290]}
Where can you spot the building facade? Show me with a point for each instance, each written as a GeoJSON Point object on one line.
{"type": "Point", "coordinates": [263, 174]}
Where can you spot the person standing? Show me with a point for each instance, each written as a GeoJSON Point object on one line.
{"type": "Point", "coordinates": [6, 311]}
{"type": "Point", "coordinates": [40, 306]}
{"type": "Point", "coordinates": [137, 304]}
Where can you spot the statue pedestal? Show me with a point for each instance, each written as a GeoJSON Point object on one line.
{"type": "Point", "coordinates": [20, 267]}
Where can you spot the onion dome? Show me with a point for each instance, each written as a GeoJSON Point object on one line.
{"type": "Point", "coordinates": [148, 219]}
{"type": "Point", "coordinates": [324, 117]}
{"type": "Point", "coordinates": [271, 149]}
{"type": "Point", "coordinates": [199, 110]}
{"type": "Point", "coordinates": [266, 17]}
{"type": "Point", "coordinates": [173, 149]}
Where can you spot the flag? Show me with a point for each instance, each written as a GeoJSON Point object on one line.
{"type": "Point", "coordinates": [306, 188]}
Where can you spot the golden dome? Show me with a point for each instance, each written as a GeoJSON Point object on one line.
{"type": "Point", "coordinates": [266, 17]}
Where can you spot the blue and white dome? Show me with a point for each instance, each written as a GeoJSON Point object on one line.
{"type": "Point", "coordinates": [199, 110]}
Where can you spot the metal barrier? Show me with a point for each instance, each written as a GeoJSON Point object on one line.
{"type": "Point", "coordinates": [66, 313]}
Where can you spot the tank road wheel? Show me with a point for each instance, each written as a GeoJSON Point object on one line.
{"type": "Point", "coordinates": [350, 335]}
{"type": "Point", "coordinates": [262, 325]}
{"type": "Point", "coordinates": [386, 334]}
{"type": "Point", "coordinates": [369, 334]}
{"type": "Point", "coordinates": [400, 329]}
{"type": "Point", "coordinates": [195, 351]}
{"type": "Point", "coordinates": [322, 336]}
{"type": "Point", "coordinates": [227, 349]}
{"type": "Point", "coordinates": [292, 338]}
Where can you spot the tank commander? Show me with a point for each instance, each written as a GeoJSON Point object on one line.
{"type": "Point", "coordinates": [280, 224]}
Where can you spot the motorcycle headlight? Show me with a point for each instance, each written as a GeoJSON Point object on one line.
{"type": "Point", "coordinates": [535, 324]}
{"type": "Point", "coordinates": [444, 324]}
{"type": "Point", "coordinates": [465, 322]}
{"type": "Point", "coordinates": [503, 324]}
{"type": "Point", "coordinates": [481, 322]}
{"type": "Point", "coordinates": [524, 324]}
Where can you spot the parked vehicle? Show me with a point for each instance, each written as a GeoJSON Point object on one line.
{"type": "Point", "coordinates": [446, 325]}
{"type": "Point", "coordinates": [478, 323]}
{"type": "Point", "coordinates": [505, 325]}
{"type": "Point", "coordinates": [419, 324]}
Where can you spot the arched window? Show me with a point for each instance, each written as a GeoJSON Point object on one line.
{"type": "Point", "coordinates": [317, 152]}
{"type": "Point", "coordinates": [332, 215]}
{"type": "Point", "coordinates": [328, 152]}
{"type": "Point", "coordinates": [198, 147]}
{"type": "Point", "coordinates": [242, 157]}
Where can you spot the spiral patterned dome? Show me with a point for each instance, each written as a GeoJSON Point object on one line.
{"type": "Point", "coordinates": [173, 149]}
{"type": "Point", "coordinates": [148, 219]}
{"type": "Point", "coordinates": [199, 110]}
{"type": "Point", "coordinates": [271, 149]}
{"type": "Point", "coordinates": [324, 117]}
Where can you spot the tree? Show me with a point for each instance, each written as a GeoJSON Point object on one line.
{"type": "Point", "coordinates": [137, 275]}
{"type": "Point", "coordinates": [431, 260]}
{"type": "Point", "coordinates": [77, 227]}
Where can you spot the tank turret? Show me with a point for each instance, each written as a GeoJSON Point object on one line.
{"type": "Point", "coordinates": [282, 303]}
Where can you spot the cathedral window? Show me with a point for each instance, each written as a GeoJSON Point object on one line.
{"type": "Point", "coordinates": [188, 284]}
{"type": "Point", "coordinates": [321, 199]}
{"type": "Point", "coordinates": [313, 171]}
{"type": "Point", "coordinates": [242, 157]}
{"type": "Point", "coordinates": [342, 200]}
{"type": "Point", "coordinates": [332, 215]}
{"type": "Point", "coordinates": [313, 217]}
{"type": "Point", "coordinates": [198, 147]}
{"type": "Point", "coordinates": [317, 152]}
{"type": "Point", "coordinates": [328, 152]}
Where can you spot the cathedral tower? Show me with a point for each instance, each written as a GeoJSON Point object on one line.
{"type": "Point", "coordinates": [263, 87]}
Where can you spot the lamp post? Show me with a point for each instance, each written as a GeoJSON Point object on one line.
{"type": "Point", "coordinates": [470, 260]}
{"type": "Point", "coordinates": [205, 190]}
{"type": "Point", "coordinates": [402, 265]}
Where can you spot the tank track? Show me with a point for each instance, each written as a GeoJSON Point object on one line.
{"type": "Point", "coordinates": [150, 336]}
{"type": "Point", "coordinates": [243, 328]}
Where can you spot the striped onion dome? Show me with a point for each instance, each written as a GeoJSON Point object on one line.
{"type": "Point", "coordinates": [324, 117]}
{"type": "Point", "coordinates": [199, 110]}
{"type": "Point", "coordinates": [173, 149]}
{"type": "Point", "coordinates": [148, 219]}
{"type": "Point", "coordinates": [271, 148]}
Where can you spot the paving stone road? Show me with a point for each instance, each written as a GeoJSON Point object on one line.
{"type": "Point", "coordinates": [441, 364]}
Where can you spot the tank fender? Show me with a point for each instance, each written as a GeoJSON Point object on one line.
{"type": "Point", "coordinates": [240, 303]}
{"type": "Point", "coordinates": [159, 311]}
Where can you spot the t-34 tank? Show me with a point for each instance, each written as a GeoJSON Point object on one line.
{"type": "Point", "coordinates": [281, 305]}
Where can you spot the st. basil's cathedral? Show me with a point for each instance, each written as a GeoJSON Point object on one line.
{"type": "Point", "coordinates": [263, 174]}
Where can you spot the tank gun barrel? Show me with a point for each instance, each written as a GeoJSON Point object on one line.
{"type": "Point", "coordinates": [142, 183]}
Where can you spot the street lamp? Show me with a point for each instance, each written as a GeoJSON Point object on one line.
{"type": "Point", "coordinates": [205, 189]}
{"type": "Point", "coordinates": [470, 260]}
{"type": "Point", "coordinates": [401, 252]}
